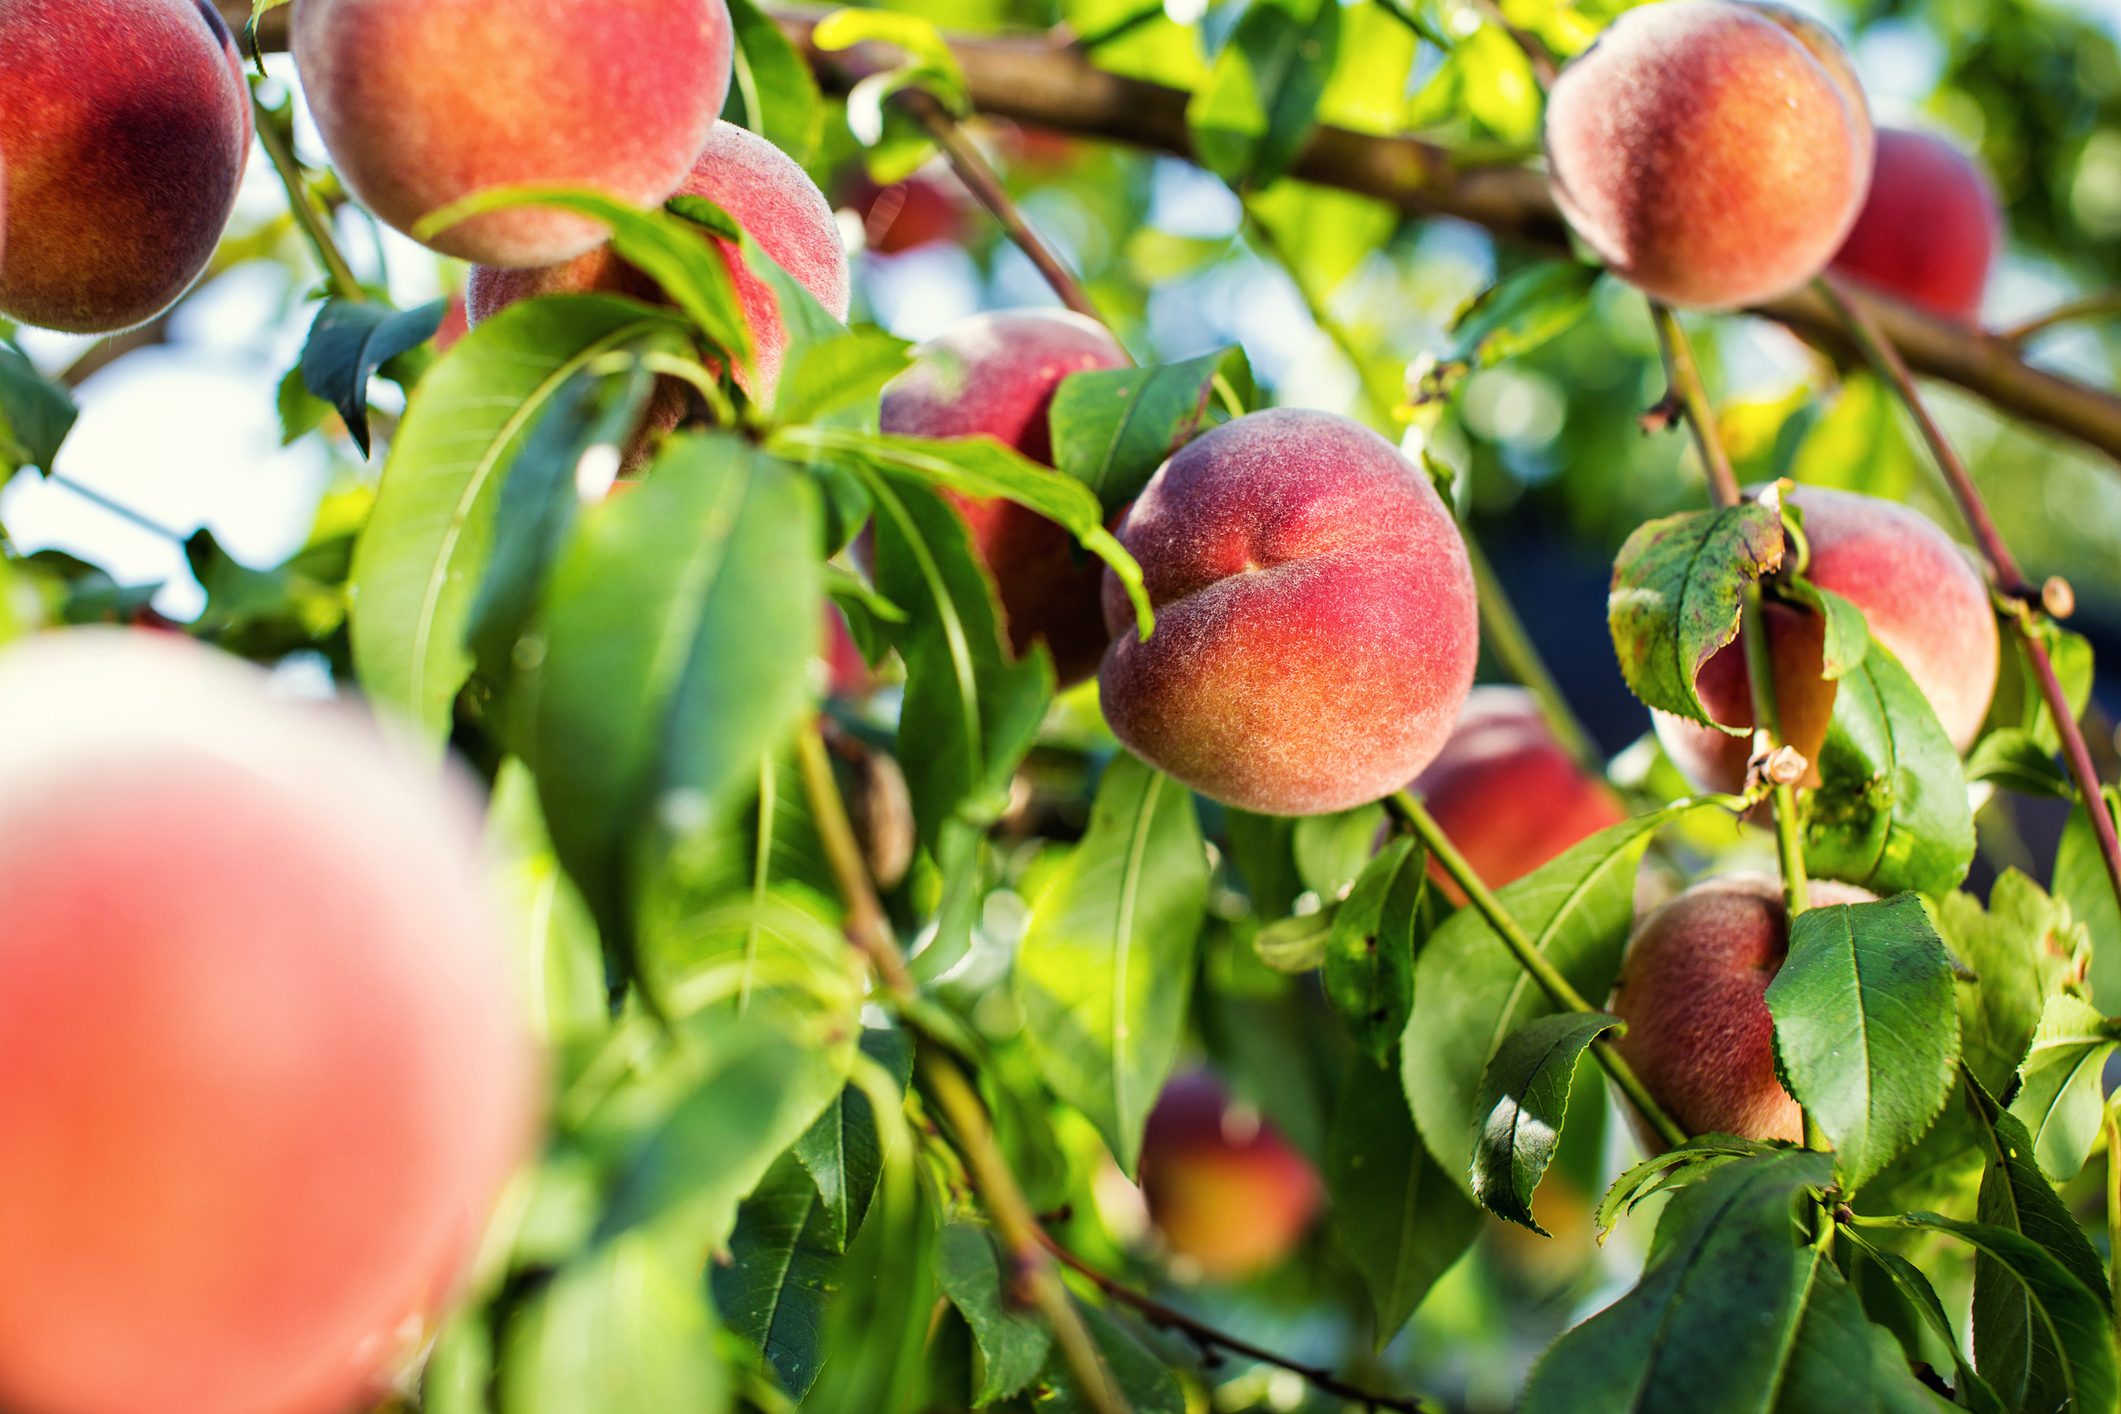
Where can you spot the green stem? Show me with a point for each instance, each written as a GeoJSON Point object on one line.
{"type": "Point", "coordinates": [2098, 306]}
{"type": "Point", "coordinates": [1558, 988]}
{"type": "Point", "coordinates": [2113, 1211]}
{"type": "Point", "coordinates": [1687, 387]}
{"type": "Point", "coordinates": [338, 275]}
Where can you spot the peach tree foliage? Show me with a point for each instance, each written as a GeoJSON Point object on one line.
{"type": "Point", "coordinates": [743, 1201]}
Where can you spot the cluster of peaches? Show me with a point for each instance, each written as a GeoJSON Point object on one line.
{"type": "Point", "coordinates": [273, 1030]}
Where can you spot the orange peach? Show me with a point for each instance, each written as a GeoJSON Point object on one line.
{"type": "Point", "coordinates": [1924, 601]}
{"type": "Point", "coordinates": [125, 132]}
{"type": "Point", "coordinates": [261, 1075]}
{"type": "Point", "coordinates": [994, 375]}
{"type": "Point", "coordinates": [1704, 150]}
{"type": "Point", "coordinates": [1315, 620]}
{"type": "Point", "coordinates": [425, 102]}
{"type": "Point", "coordinates": [1223, 1188]}
{"type": "Point", "coordinates": [1930, 228]}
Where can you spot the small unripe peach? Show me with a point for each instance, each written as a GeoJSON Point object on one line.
{"type": "Point", "coordinates": [1930, 227]}
{"type": "Point", "coordinates": [261, 1075]}
{"type": "Point", "coordinates": [1923, 600]}
{"type": "Point", "coordinates": [1704, 150]}
{"type": "Point", "coordinates": [1505, 792]}
{"type": "Point", "coordinates": [1224, 1189]}
{"type": "Point", "coordinates": [125, 131]}
{"type": "Point", "coordinates": [1693, 992]}
{"type": "Point", "coordinates": [425, 102]}
{"type": "Point", "coordinates": [1315, 620]}
{"type": "Point", "coordinates": [994, 375]}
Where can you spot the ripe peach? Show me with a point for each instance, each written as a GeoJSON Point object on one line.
{"type": "Point", "coordinates": [1315, 621]}
{"type": "Point", "coordinates": [1930, 227]}
{"type": "Point", "coordinates": [994, 375]}
{"type": "Point", "coordinates": [1704, 151]}
{"type": "Point", "coordinates": [1506, 793]}
{"type": "Point", "coordinates": [1693, 991]}
{"type": "Point", "coordinates": [767, 194]}
{"type": "Point", "coordinates": [919, 211]}
{"type": "Point", "coordinates": [261, 1076]}
{"type": "Point", "coordinates": [423, 104]}
{"type": "Point", "coordinates": [1924, 601]}
{"type": "Point", "coordinates": [125, 134]}
{"type": "Point", "coordinates": [1223, 1188]}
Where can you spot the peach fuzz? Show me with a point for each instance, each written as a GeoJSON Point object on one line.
{"type": "Point", "coordinates": [765, 192]}
{"type": "Point", "coordinates": [1315, 621]}
{"type": "Point", "coordinates": [425, 102]}
{"type": "Point", "coordinates": [994, 375]}
{"type": "Point", "coordinates": [1929, 229]}
{"type": "Point", "coordinates": [1705, 152]}
{"type": "Point", "coordinates": [1507, 794]}
{"type": "Point", "coordinates": [1924, 601]}
{"type": "Point", "coordinates": [1224, 1190]}
{"type": "Point", "coordinates": [261, 1074]}
{"type": "Point", "coordinates": [1693, 993]}
{"type": "Point", "coordinates": [125, 134]}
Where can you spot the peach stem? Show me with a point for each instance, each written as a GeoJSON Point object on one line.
{"type": "Point", "coordinates": [2098, 306]}
{"type": "Point", "coordinates": [338, 275]}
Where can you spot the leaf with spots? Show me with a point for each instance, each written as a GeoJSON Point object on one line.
{"type": "Point", "coordinates": [1678, 592]}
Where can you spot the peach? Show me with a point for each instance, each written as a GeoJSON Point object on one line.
{"type": "Point", "coordinates": [994, 375]}
{"type": "Point", "coordinates": [425, 102]}
{"type": "Point", "coordinates": [1315, 620]}
{"type": "Point", "coordinates": [1924, 601]}
{"type": "Point", "coordinates": [125, 132]}
{"type": "Point", "coordinates": [1224, 1189]}
{"type": "Point", "coordinates": [261, 1076]}
{"type": "Point", "coordinates": [1703, 149]}
{"type": "Point", "coordinates": [769, 195]}
{"type": "Point", "coordinates": [1507, 794]}
{"type": "Point", "coordinates": [1693, 992]}
{"type": "Point", "coordinates": [1930, 227]}
{"type": "Point", "coordinates": [919, 211]}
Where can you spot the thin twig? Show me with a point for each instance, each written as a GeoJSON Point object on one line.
{"type": "Point", "coordinates": [309, 214]}
{"type": "Point", "coordinates": [2098, 306]}
{"type": "Point", "coordinates": [2003, 570]}
{"type": "Point", "coordinates": [1206, 1337]}
{"type": "Point", "coordinates": [979, 178]}
{"type": "Point", "coordinates": [1560, 991]}
{"type": "Point", "coordinates": [1693, 397]}
{"type": "Point", "coordinates": [123, 512]}
{"type": "Point", "coordinates": [867, 927]}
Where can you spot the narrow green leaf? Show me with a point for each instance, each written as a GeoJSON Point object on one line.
{"type": "Point", "coordinates": [842, 1151]}
{"type": "Point", "coordinates": [1012, 1341]}
{"type": "Point", "coordinates": [1331, 850]}
{"type": "Point", "coordinates": [350, 341]}
{"type": "Point", "coordinates": [2023, 949]}
{"type": "Point", "coordinates": [1974, 1392]}
{"type": "Point", "coordinates": [1112, 428]}
{"type": "Point", "coordinates": [1848, 637]}
{"type": "Point", "coordinates": [1670, 1171]}
{"type": "Point", "coordinates": [1296, 945]}
{"type": "Point", "coordinates": [1524, 1097]}
{"type": "Point", "coordinates": [1678, 590]}
{"type": "Point", "coordinates": [1105, 966]}
{"type": "Point", "coordinates": [1255, 112]}
{"type": "Point", "coordinates": [771, 1291]}
{"type": "Point", "coordinates": [2059, 1095]}
{"type": "Point", "coordinates": [1517, 314]}
{"type": "Point", "coordinates": [2081, 881]}
{"type": "Point", "coordinates": [1866, 1030]}
{"type": "Point", "coordinates": [558, 955]}
{"type": "Point", "coordinates": [772, 91]}
{"type": "Point", "coordinates": [35, 413]}
{"type": "Point", "coordinates": [2015, 760]}
{"type": "Point", "coordinates": [1369, 960]}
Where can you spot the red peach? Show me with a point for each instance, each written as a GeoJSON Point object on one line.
{"type": "Point", "coordinates": [425, 102]}
{"type": "Point", "coordinates": [1923, 600]}
{"type": "Point", "coordinates": [1930, 227]}
{"type": "Point", "coordinates": [1507, 794]}
{"type": "Point", "coordinates": [919, 211]}
{"type": "Point", "coordinates": [261, 1077]}
{"type": "Point", "coordinates": [994, 375]}
{"type": "Point", "coordinates": [1315, 621]}
{"type": "Point", "coordinates": [125, 134]}
{"type": "Point", "coordinates": [1693, 992]}
{"type": "Point", "coordinates": [1704, 151]}
{"type": "Point", "coordinates": [1223, 1188]}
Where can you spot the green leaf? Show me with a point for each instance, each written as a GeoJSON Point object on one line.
{"type": "Point", "coordinates": [557, 953]}
{"type": "Point", "coordinates": [624, 1329]}
{"type": "Point", "coordinates": [1974, 1392]}
{"type": "Point", "coordinates": [1524, 1097]}
{"type": "Point", "coordinates": [1106, 963]}
{"type": "Point", "coordinates": [1510, 318]}
{"type": "Point", "coordinates": [2059, 1096]}
{"type": "Point", "coordinates": [2059, 1351]}
{"type": "Point", "coordinates": [1296, 945]}
{"type": "Point", "coordinates": [1332, 850]}
{"type": "Point", "coordinates": [35, 413]}
{"type": "Point", "coordinates": [1112, 428]}
{"type": "Point", "coordinates": [422, 556]}
{"type": "Point", "coordinates": [771, 1291]}
{"type": "Point", "coordinates": [350, 341]}
{"type": "Point", "coordinates": [1672, 1170]}
{"type": "Point", "coordinates": [1722, 1305]}
{"type": "Point", "coordinates": [842, 1152]}
{"type": "Point", "coordinates": [2019, 702]}
{"type": "Point", "coordinates": [1866, 1031]}
{"type": "Point", "coordinates": [772, 91]}
{"type": "Point", "coordinates": [670, 660]}
{"type": "Point", "coordinates": [1369, 961]}
{"type": "Point", "coordinates": [935, 67]}
{"type": "Point", "coordinates": [1255, 112]}
{"type": "Point", "coordinates": [835, 374]}
{"type": "Point", "coordinates": [1678, 592]}
{"type": "Point", "coordinates": [2082, 882]}
{"type": "Point", "coordinates": [2023, 950]}
{"type": "Point", "coordinates": [1891, 810]}
{"type": "Point", "coordinates": [1470, 994]}
{"type": "Point", "coordinates": [1847, 637]}
{"type": "Point", "coordinates": [1398, 1216]}
{"type": "Point", "coordinates": [2014, 760]}
{"type": "Point", "coordinates": [1012, 1341]}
